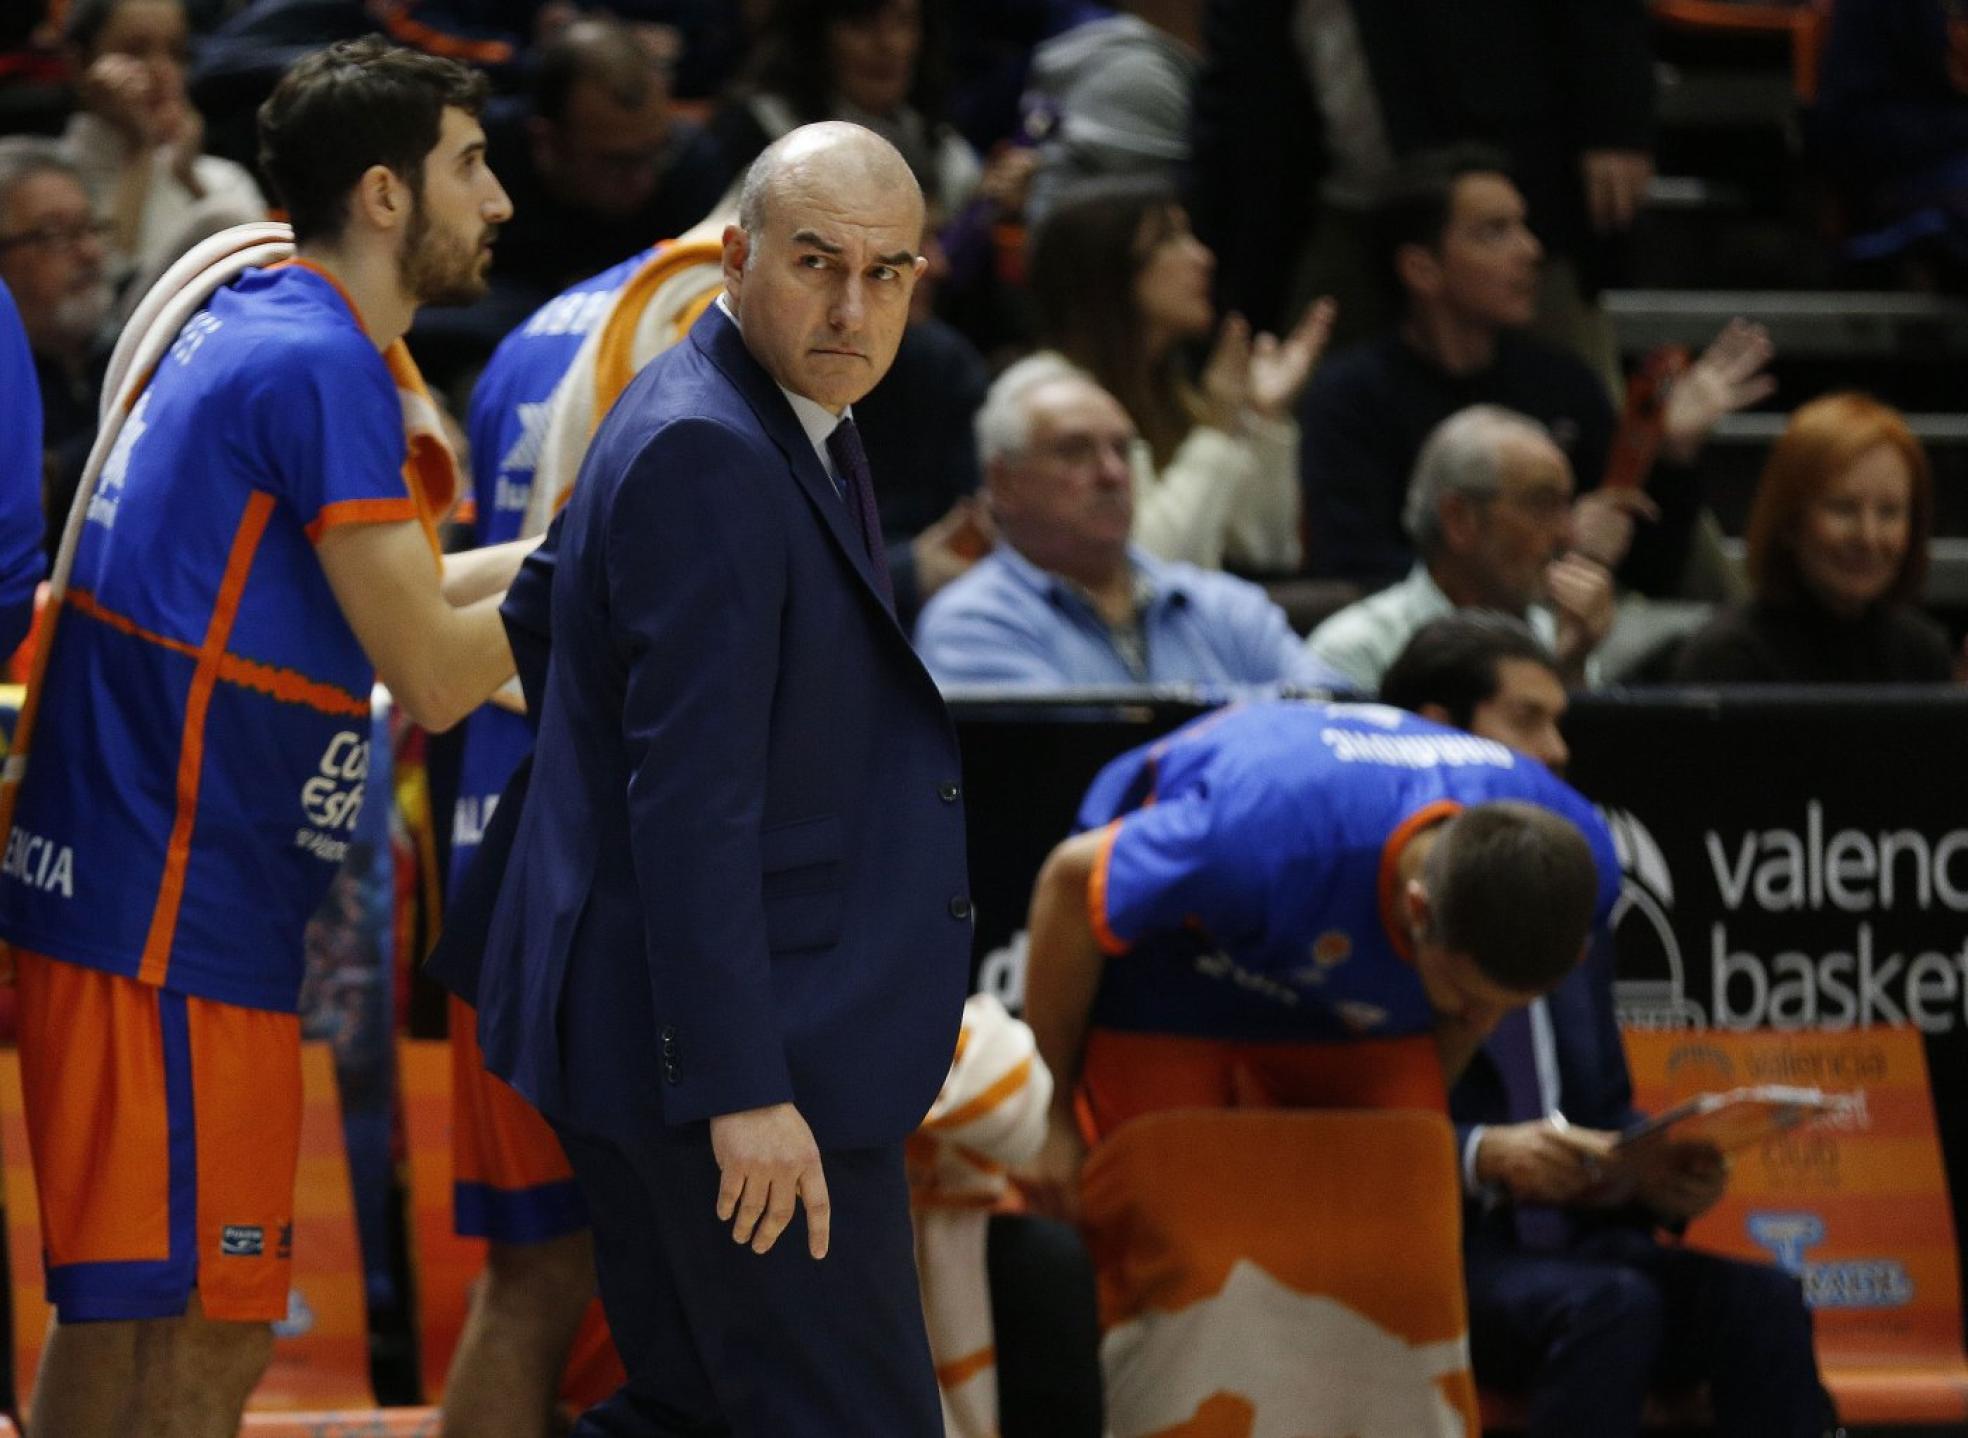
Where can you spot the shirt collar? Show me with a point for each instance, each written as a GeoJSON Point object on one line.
{"type": "Point", "coordinates": [813, 416]}
{"type": "Point", "coordinates": [1154, 579]}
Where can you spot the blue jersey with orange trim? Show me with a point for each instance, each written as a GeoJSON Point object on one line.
{"type": "Point", "coordinates": [507, 423]}
{"type": "Point", "coordinates": [1246, 881]}
{"type": "Point", "coordinates": [203, 735]}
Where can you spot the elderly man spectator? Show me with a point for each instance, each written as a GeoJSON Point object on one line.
{"type": "Point", "coordinates": [601, 168]}
{"type": "Point", "coordinates": [1066, 600]}
{"type": "Point", "coordinates": [1490, 512]}
{"type": "Point", "coordinates": [52, 257]}
{"type": "Point", "coordinates": [1458, 248]}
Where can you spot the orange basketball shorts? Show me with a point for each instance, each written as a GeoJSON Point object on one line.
{"type": "Point", "coordinates": [165, 1130]}
{"type": "Point", "coordinates": [511, 1182]}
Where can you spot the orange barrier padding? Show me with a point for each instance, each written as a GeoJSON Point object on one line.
{"type": "Point", "coordinates": [352, 1423]}
{"type": "Point", "coordinates": [446, 1264]}
{"type": "Point", "coordinates": [321, 1349]}
{"type": "Point", "coordinates": [1858, 1206]}
{"type": "Point", "coordinates": [1224, 1239]}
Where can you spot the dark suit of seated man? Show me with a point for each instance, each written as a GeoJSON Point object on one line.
{"type": "Point", "coordinates": [1573, 1299]}
{"type": "Point", "coordinates": [729, 955]}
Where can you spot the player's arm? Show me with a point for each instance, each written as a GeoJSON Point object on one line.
{"type": "Point", "coordinates": [1063, 967]}
{"type": "Point", "coordinates": [439, 660]}
{"type": "Point", "coordinates": [472, 574]}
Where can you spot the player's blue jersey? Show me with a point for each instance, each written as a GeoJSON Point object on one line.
{"type": "Point", "coordinates": [202, 738]}
{"type": "Point", "coordinates": [507, 423]}
{"type": "Point", "coordinates": [1245, 889]}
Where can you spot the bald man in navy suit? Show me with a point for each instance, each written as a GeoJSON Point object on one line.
{"type": "Point", "coordinates": [730, 953]}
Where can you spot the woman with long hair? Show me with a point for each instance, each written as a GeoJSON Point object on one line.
{"type": "Point", "coordinates": [1122, 287]}
{"type": "Point", "coordinates": [1837, 556]}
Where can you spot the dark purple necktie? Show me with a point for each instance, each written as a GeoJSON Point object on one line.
{"type": "Point", "coordinates": [1540, 1226]}
{"type": "Point", "coordinates": [858, 492]}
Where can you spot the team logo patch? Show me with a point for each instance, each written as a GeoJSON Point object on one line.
{"type": "Point", "coordinates": [242, 1240]}
{"type": "Point", "coordinates": [1332, 947]}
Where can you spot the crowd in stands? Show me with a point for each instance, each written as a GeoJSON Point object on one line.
{"type": "Point", "coordinates": [1288, 241]}
{"type": "Point", "coordinates": [1228, 302]}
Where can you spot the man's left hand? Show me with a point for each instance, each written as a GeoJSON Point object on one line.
{"type": "Point", "coordinates": [1683, 1181]}
{"type": "Point", "coordinates": [768, 1160]}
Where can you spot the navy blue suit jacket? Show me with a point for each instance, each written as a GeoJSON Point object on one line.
{"type": "Point", "coordinates": [738, 877]}
{"type": "Point", "coordinates": [1595, 1089]}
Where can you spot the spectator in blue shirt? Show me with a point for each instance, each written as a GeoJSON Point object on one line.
{"type": "Point", "coordinates": [1066, 601]}
{"type": "Point", "coordinates": [21, 563]}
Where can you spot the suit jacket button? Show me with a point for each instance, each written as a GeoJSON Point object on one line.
{"type": "Point", "coordinates": [669, 1032]}
{"type": "Point", "coordinates": [948, 792]}
{"type": "Point", "coordinates": [670, 1070]}
{"type": "Point", "coordinates": [960, 907]}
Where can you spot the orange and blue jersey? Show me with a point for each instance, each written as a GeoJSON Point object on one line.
{"type": "Point", "coordinates": [203, 733]}
{"type": "Point", "coordinates": [507, 424]}
{"type": "Point", "coordinates": [1247, 869]}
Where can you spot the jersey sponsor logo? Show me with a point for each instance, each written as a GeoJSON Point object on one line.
{"type": "Point", "coordinates": [1219, 965]}
{"type": "Point", "coordinates": [469, 818]}
{"type": "Point", "coordinates": [40, 863]}
{"type": "Point", "coordinates": [522, 458]}
{"type": "Point", "coordinates": [1416, 751]}
{"type": "Point", "coordinates": [108, 494]}
{"type": "Point", "coordinates": [199, 328]}
{"type": "Point", "coordinates": [242, 1240]}
{"type": "Point", "coordinates": [570, 314]}
{"type": "Point", "coordinates": [332, 799]}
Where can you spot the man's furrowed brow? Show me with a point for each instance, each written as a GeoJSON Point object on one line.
{"type": "Point", "coordinates": [812, 239]}
{"type": "Point", "coordinates": [901, 259]}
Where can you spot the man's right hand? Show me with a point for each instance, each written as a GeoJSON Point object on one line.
{"type": "Point", "coordinates": [768, 1159]}
{"type": "Point", "coordinates": [1052, 1180]}
{"type": "Point", "coordinates": [1539, 1162]}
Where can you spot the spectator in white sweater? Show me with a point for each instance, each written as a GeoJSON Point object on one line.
{"type": "Point", "coordinates": [1122, 287]}
{"type": "Point", "coordinates": [138, 142]}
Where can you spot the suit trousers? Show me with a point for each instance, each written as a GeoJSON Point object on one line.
{"type": "Point", "coordinates": [720, 1340]}
{"type": "Point", "coordinates": [1585, 1333]}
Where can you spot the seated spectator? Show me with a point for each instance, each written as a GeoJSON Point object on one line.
{"type": "Point", "coordinates": [600, 168]}
{"type": "Point", "coordinates": [52, 257]}
{"type": "Point", "coordinates": [1122, 285]}
{"type": "Point", "coordinates": [1066, 600]}
{"type": "Point", "coordinates": [1489, 509]}
{"type": "Point", "coordinates": [1459, 251]}
{"type": "Point", "coordinates": [1566, 1274]}
{"type": "Point", "coordinates": [1890, 126]}
{"type": "Point", "coordinates": [138, 142]}
{"type": "Point", "coordinates": [1837, 556]}
{"type": "Point", "coordinates": [1111, 97]}
{"type": "Point", "coordinates": [875, 62]}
